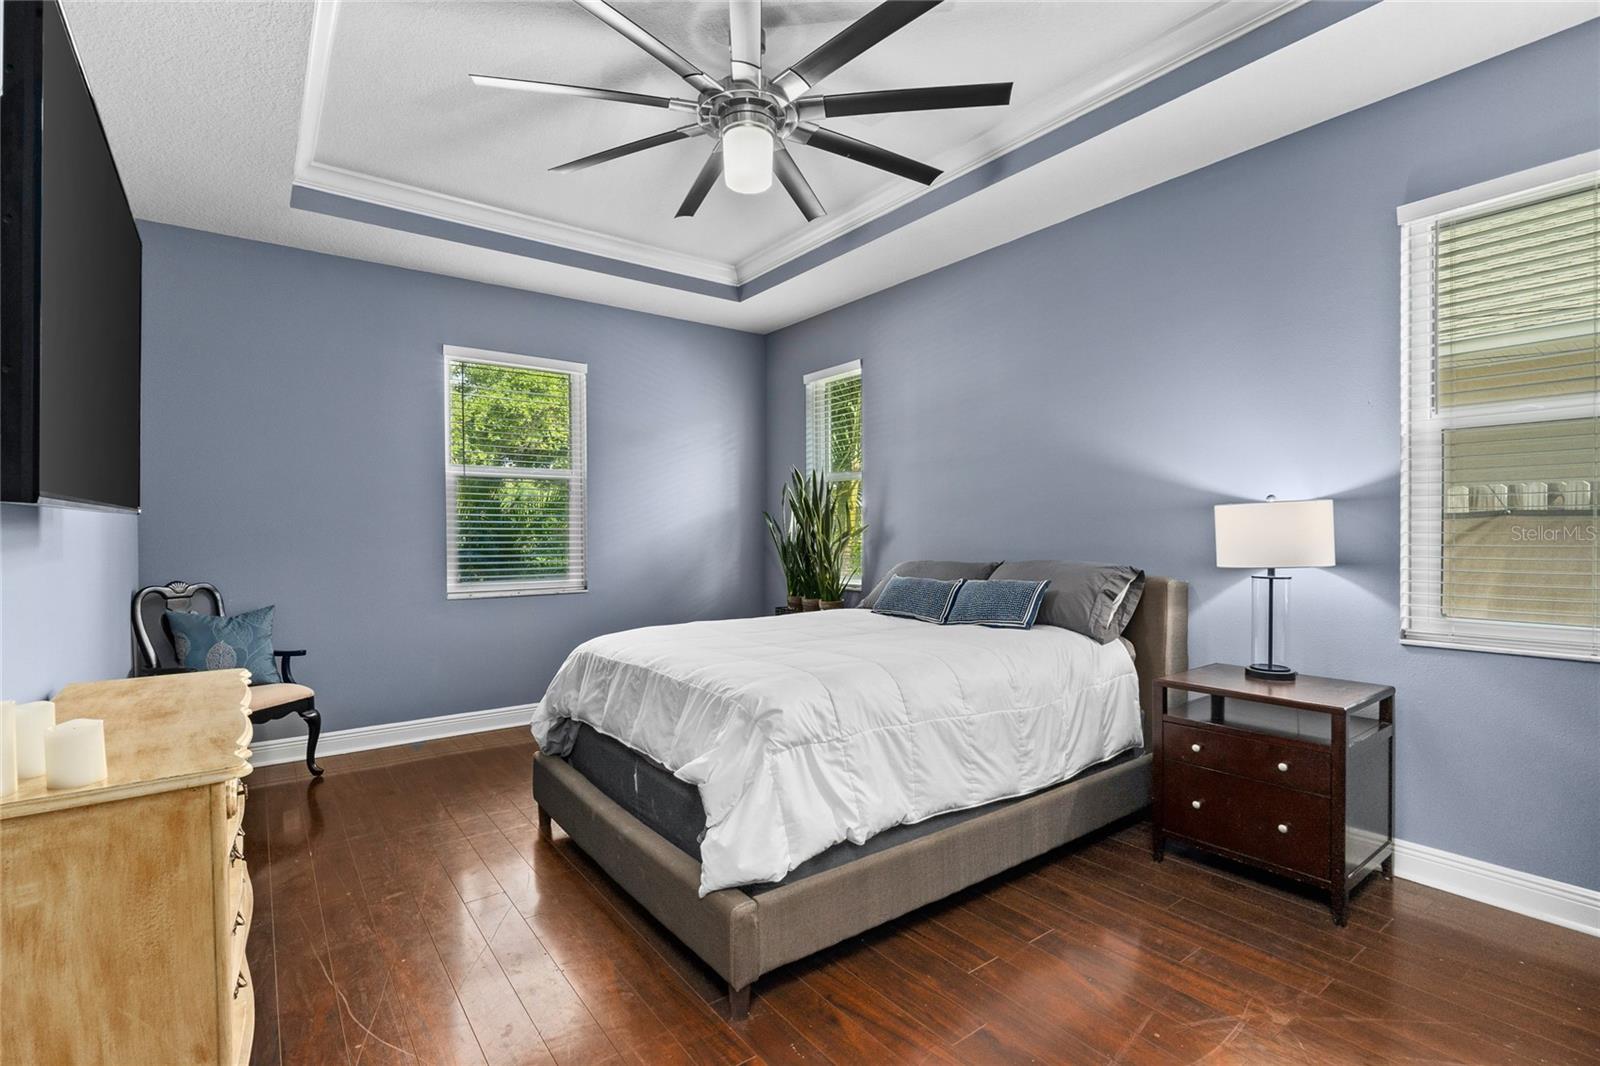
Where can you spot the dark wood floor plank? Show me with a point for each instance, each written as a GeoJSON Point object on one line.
{"type": "Point", "coordinates": [310, 1018]}
{"type": "Point", "coordinates": [407, 912]}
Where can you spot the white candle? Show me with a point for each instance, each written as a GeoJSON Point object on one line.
{"type": "Point", "coordinates": [32, 721]}
{"type": "Point", "coordinates": [8, 747]}
{"type": "Point", "coordinates": [75, 753]}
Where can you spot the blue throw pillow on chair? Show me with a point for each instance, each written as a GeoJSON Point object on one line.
{"type": "Point", "coordinates": [922, 598]}
{"type": "Point", "coordinates": [236, 641]}
{"type": "Point", "coordinates": [1001, 604]}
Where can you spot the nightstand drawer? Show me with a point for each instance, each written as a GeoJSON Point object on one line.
{"type": "Point", "coordinates": [1262, 759]}
{"type": "Point", "coordinates": [1268, 823]}
{"type": "Point", "coordinates": [1195, 745]}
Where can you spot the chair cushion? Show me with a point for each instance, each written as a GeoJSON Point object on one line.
{"type": "Point", "coordinates": [265, 697]}
{"type": "Point", "coordinates": [213, 642]}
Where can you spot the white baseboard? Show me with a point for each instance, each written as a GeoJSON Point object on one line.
{"type": "Point", "coordinates": [365, 738]}
{"type": "Point", "coordinates": [1538, 897]}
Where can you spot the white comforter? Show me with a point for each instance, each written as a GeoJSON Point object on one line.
{"type": "Point", "coordinates": [804, 731]}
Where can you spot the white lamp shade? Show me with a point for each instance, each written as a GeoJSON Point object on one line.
{"type": "Point", "coordinates": [1277, 533]}
{"type": "Point", "coordinates": [747, 159]}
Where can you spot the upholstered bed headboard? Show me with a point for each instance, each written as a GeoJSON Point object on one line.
{"type": "Point", "coordinates": [1159, 631]}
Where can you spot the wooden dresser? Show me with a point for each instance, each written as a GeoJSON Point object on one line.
{"type": "Point", "coordinates": [1296, 777]}
{"type": "Point", "coordinates": [124, 905]}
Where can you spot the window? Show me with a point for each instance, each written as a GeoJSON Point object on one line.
{"type": "Point", "coordinates": [514, 475]}
{"type": "Point", "coordinates": [833, 444]}
{"type": "Point", "coordinates": [1501, 405]}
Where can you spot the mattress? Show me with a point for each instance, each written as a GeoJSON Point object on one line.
{"type": "Point", "coordinates": [672, 809]}
{"type": "Point", "coordinates": [802, 732]}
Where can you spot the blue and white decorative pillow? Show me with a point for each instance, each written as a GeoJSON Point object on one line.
{"type": "Point", "coordinates": [921, 598]}
{"type": "Point", "coordinates": [1001, 604]}
{"type": "Point", "coordinates": [238, 641]}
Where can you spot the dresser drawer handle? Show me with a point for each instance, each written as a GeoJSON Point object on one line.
{"type": "Point", "coordinates": [1283, 768]}
{"type": "Point", "coordinates": [1195, 804]}
{"type": "Point", "coordinates": [1194, 747]}
{"type": "Point", "coordinates": [1282, 828]}
{"type": "Point", "coordinates": [238, 986]}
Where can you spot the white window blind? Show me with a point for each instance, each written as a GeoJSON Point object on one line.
{"type": "Point", "coordinates": [833, 444]}
{"type": "Point", "coordinates": [1501, 404]}
{"type": "Point", "coordinates": [515, 484]}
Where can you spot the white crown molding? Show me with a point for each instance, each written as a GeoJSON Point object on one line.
{"type": "Point", "coordinates": [367, 738]}
{"type": "Point", "coordinates": [1196, 36]}
{"type": "Point", "coordinates": [385, 193]}
{"type": "Point", "coordinates": [1556, 902]}
{"type": "Point", "coordinates": [1189, 41]}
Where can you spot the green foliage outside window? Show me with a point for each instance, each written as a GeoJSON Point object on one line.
{"type": "Point", "coordinates": [514, 526]}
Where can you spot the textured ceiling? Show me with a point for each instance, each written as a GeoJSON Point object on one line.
{"type": "Point", "coordinates": [397, 106]}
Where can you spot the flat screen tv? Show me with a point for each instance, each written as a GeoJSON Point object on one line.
{"type": "Point", "coordinates": [69, 281]}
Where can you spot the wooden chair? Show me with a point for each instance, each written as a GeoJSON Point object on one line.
{"type": "Point", "coordinates": [153, 653]}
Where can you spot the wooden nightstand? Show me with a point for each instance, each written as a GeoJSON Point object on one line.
{"type": "Point", "coordinates": [1294, 777]}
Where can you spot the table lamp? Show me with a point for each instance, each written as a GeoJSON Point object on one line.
{"type": "Point", "coordinates": [1271, 536]}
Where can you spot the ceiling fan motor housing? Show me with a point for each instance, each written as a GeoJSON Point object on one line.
{"type": "Point", "coordinates": [742, 106]}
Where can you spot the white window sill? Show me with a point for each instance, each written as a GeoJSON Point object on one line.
{"type": "Point", "coordinates": [490, 594]}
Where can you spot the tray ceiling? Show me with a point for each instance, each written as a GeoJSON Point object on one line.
{"type": "Point", "coordinates": [215, 112]}
{"type": "Point", "coordinates": [390, 116]}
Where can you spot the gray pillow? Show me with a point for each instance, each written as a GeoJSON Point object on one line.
{"type": "Point", "coordinates": [929, 568]}
{"type": "Point", "coordinates": [1094, 599]}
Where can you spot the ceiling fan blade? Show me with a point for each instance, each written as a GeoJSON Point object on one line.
{"type": "Point", "coordinates": [866, 31]}
{"type": "Point", "coordinates": [862, 152]}
{"type": "Point", "coordinates": [884, 101]}
{"type": "Point", "coordinates": [702, 183]}
{"type": "Point", "coordinates": [744, 40]}
{"type": "Point", "coordinates": [556, 89]}
{"type": "Point", "coordinates": [639, 36]}
{"type": "Point", "coordinates": [682, 133]}
{"type": "Point", "coordinates": [799, 189]}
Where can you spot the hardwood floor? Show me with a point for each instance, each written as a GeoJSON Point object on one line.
{"type": "Point", "coordinates": [405, 913]}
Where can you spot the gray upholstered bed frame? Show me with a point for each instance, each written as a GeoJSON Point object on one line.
{"type": "Point", "coordinates": [743, 936]}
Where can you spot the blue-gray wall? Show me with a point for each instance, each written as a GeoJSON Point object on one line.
{"type": "Point", "coordinates": [65, 577]}
{"type": "Point", "coordinates": [1090, 391]}
{"type": "Point", "coordinates": [294, 444]}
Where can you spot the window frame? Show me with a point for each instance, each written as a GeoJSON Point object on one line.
{"type": "Point", "coordinates": [834, 477]}
{"type": "Point", "coordinates": [577, 474]}
{"type": "Point", "coordinates": [1421, 415]}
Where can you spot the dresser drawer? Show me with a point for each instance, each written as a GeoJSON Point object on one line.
{"type": "Point", "coordinates": [1260, 758]}
{"type": "Point", "coordinates": [238, 916]}
{"type": "Point", "coordinates": [242, 1016]}
{"type": "Point", "coordinates": [1269, 823]}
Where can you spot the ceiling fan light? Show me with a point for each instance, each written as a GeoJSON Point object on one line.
{"type": "Point", "coordinates": [747, 158]}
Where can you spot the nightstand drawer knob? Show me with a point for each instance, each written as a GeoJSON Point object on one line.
{"type": "Point", "coordinates": [1195, 804]}
{"type": "Point", "coordinates": [1194, 747]}
{"type": "Point", "coordinates": [1282, 828]}
{"type": "Point", "coordinates": [1283, 768]}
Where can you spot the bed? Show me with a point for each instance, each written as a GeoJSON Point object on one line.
{"type": "Point", "coordinates": [751, 876]}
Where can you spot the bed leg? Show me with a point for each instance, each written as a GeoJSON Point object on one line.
{"type": "Point", "coordinates": [738, 1003]}
{"type": "Point", "coordinates": [544, 825]}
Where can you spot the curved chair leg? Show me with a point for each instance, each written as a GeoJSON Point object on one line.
{"type": "Point", "coordinates": [313, 722]}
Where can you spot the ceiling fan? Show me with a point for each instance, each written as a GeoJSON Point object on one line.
{"type": "Point", "coordinates": [751, 116]}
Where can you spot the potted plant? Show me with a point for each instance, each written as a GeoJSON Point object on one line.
{"type": "Point", "coordinates": [822, 532]}
{"type": "Point", "coordinates": [789, 557]}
